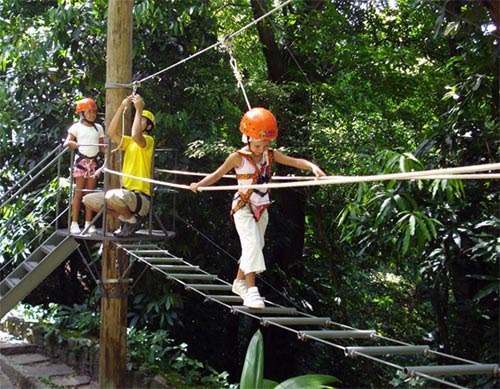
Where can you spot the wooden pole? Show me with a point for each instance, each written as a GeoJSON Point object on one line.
{"type": "Point", "coordinates": [112, 354]}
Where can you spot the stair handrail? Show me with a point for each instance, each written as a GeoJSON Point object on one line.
{"type": "Point", "coordinates": [35, 238]}
{"type": "Point", "coordinates": [7, 222]}
{"type": "Point", "coordinates": [35, 176]}
{"type": "Point", "coordinates": [28, 173]}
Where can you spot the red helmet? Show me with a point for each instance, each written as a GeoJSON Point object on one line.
{"type": "Point", "coordinates": [86, 105]}
{"type": "Point", "coordinates": [259, 123]}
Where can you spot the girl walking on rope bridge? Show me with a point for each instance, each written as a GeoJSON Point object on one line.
{"type": "Point", "coordinates": [84, 137]}
{"type": "Point", "coordinates": [252, 165]}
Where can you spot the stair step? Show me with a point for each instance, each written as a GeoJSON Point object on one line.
{"type": "Point", "coordinates": [147, 251]}
{"type": "Point", "coordinates": [12, 282]}
{"type": "Point", "coordinates": [178, 268]}
{"type": "Point", "coordinates": [47, 248]}
{"type": "Point", "coordinates": [139, 246]}
{"type": "Point", "coordinates": [30, 265]}
{"type": "Point", "coordinates": [386, 350]}
{"type": "Point", "coordinates": [183, 276]}
{"type": "Point", "coordinates": [225, 298]}
{"type": "Point", "coordinates": [219, 287]}
{"type": "Point", "coordinates": [493, 369]}
{"type": "Point", "coordinates": [229, 298]}
{"type": "Point", "coordinates": [154, 260]}
{"type": "Point", "coordinates": [266, 310]}
{"type": "Point", "coordinates": [323, 321]}
{"type": "Point", "coordinates": [35, 269]}
{"type": "Point", "coordinates": [304, 335]}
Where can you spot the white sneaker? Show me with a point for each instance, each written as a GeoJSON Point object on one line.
{"type": "Point", "coordinates": [240, 288]}
{"type": "Point", "coordinates": [92, 230]}
{"type": "Point", "coordinates": [253, 299]}
{"type": "Point", "coordinates": [75, 229]}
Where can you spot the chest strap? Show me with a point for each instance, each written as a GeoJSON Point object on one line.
{"type": "Point", "coordinates": [257, 177]}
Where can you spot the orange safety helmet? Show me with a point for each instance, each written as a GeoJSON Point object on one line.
{"type": "Point", "coordinates": [85, 104]}
{"type": "Point", "coordinates": [259, 123]}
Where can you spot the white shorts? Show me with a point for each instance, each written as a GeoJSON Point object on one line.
{"type": "Point", "coordinates": [251, 235]}
{"type": "Point", "coordinates": [120, 198]}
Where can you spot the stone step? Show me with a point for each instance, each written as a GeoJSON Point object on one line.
{"type": "Point", "coordinates": [17, 348]}
{"type": "Point", "coordinates": [22, 366]}
{"type": "Point", "coordinates": [5, 382]}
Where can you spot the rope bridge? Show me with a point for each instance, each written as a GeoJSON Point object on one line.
{"type": "Point", "coordinates": [326, 331]}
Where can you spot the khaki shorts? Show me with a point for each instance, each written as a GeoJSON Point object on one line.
{"type": "Point", "coordinates": [119, 198]}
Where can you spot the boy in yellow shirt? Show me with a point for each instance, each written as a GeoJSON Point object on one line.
{"type": "Point", "coordinates": [132, 200]}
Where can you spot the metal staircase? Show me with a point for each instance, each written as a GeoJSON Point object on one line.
{"type": "Point", "coordinates": [34, 269]}
{"type": "Point", "coordinates": [29, 215]}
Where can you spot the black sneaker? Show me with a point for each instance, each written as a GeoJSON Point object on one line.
{"type": "Point", "coordinates": [127, 229]}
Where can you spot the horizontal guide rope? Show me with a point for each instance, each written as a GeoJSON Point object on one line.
{"type": "Point", "coordinates": [474, 176]}
{"type": "Point", "coordinates": [187, 173]}
{"type": "Point", "coordinates": [436, 174]}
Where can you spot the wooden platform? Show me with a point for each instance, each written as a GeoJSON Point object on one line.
{"type": "Point", "coordinates": [141, 235]}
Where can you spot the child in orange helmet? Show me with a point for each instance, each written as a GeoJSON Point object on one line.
{"type": "Point", "coordinates": [132, 200]}
{"type": "Point", "coordinates": [252, 165]}
{"type": "Point", "coordinates": [84, 137]}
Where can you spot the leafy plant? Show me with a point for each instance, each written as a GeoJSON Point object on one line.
{"type": "Point", "coordinates": [156, 353]}
{"type": "Point", "coordinates": [252, 375]}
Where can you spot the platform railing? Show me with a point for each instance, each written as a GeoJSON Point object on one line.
{"type": "Point", "coordinates": [169, 154]}
{"type": "Point", "coordinates": [35, 204]}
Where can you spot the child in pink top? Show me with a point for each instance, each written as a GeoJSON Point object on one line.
{"type": "Point", "coordinates": [252, 165]}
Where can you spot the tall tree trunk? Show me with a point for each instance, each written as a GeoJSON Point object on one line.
{"type": "Point", "coordinates": [494, 8]}
{"type": "Point", "coordinates": [276, 66]}
{"type": "Point", "coordinates": [290, 245]}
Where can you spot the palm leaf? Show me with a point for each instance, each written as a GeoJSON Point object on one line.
{"type": "Point", "coordinates": [310, 381]}
{"type": "Point", "coordinates": [253, 369]}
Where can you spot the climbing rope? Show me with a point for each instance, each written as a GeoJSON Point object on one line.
{"type": "Point", "coordinates": [134, 90]}
{"type": "Point", "coordinates": [227, 44]}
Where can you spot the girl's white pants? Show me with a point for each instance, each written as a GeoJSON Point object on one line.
{"type": "Point", "coordinates": [251, 235]}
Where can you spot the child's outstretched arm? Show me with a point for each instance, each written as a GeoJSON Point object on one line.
{"type": "Point", "coordinates": [231, 162]}
{"type": "Point", "coordinates": [298, 163]}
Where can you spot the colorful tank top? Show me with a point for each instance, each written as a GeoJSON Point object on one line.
{"type": "Point", "coordinates": [253, 173]}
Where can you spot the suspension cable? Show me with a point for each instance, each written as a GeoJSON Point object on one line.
{"type": "Point", "coordinates": [233, 34]}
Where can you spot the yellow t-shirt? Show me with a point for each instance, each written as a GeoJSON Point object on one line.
{"type": "Point", "coordinates": [137, 162]}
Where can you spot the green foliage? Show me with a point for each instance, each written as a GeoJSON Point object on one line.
{"type": "Point", "coordinates": [83, 318]}
{"type": "Point", "coordinates": [368, 88]}
{"type": "Point", "coordinates": [388, 214]}
{"type": "Point", "coordinates": [154, 310]}
{"type": "Point", "coordinates": [156, 353]}
{"type": "Point", "coordinates": [252, 375]}
{"type": "Point", "coordinates": [253, 368]}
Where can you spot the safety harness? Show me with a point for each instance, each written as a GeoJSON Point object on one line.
{"type": "Point", "coordinates": [138, 204]}
{"type": "Point", "coordinates": [259, 176]}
